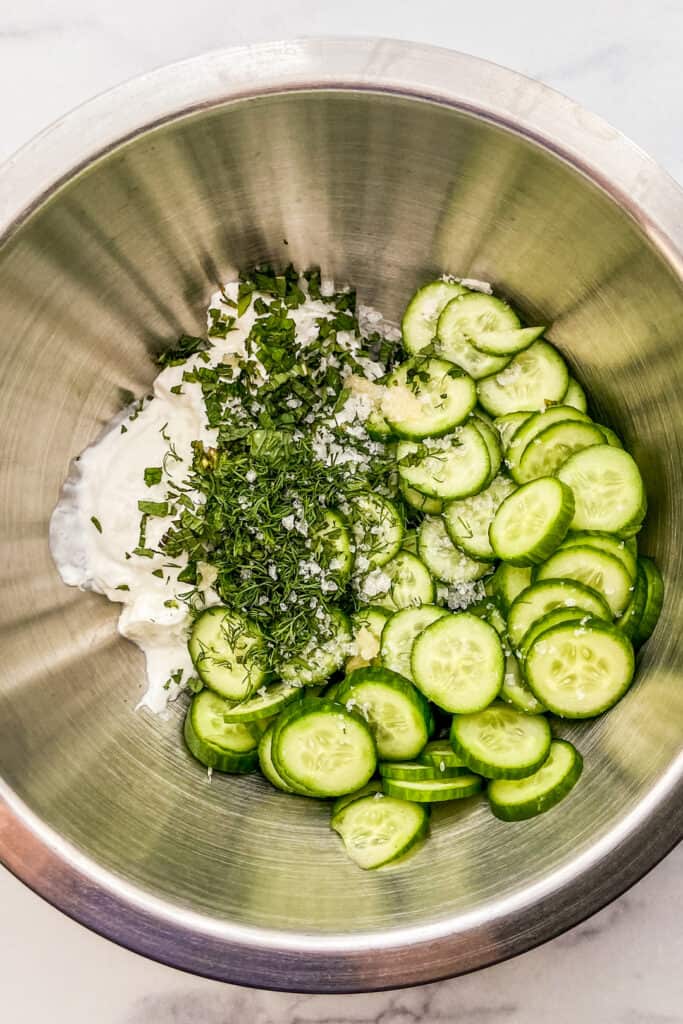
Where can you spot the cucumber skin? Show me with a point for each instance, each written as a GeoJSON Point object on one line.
{"type": "Point", "coordinates": [489, 771]}
{"type": "Point", "coordinates": [419, 834]}
{"type": "Point", "coordinates": [654, 599]}
{"type": "Point", "coordinates": [229, 761]}
{"type": "Point", "coordinates": [532, 808]}
{"type": "Point", "coordinates": [392, 787]}
{"type": "Point", "coordinates": [548, 544]}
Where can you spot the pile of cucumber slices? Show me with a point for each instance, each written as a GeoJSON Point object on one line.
{"type": "Point", "coordinates": [499, 592]}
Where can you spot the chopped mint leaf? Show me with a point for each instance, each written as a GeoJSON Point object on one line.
{"type": "Point", "coordinates": [177, 389]}
{"type": "Point", "coordinates": [123, 586]}
{"type": "Point", "coordinates": [124, 428]}
{"type": "Point", "coordinates": [144, 552]}
{"type": "Point", "coordinates": [96, 523]}
{"type": "Point", "coordinates": [186, 346]}
{"type": "Point", "coordinates": [170, 604]}
{"type": "Point", "coordinates": [153, 475]}
{"type": "Point", "coordinates": [159, 573]}
{"type": "Point", "coordinates": [154, 508]}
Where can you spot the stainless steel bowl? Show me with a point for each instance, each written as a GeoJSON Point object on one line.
{"type": "Point", "coordinates": [385, 162]}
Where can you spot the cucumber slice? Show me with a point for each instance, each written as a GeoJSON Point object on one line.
{"type": "Point", "coordinates": [434, 791]}
{"type": "Point", "coordinates": [476, 315]}
{"type": "Point", "coordinates": [332, 546]}
{"type": "Point", "coordinates": [453, 344]}
{"type": "Point", "coordinates": [323, 654]}
{"type": "Point", "coordinates": [377, 529]}
{"type": "Point", "coordinates": [508, 581]}
{"type": "Point", "coordinates": [534, 425]}
{"type": "Point", "coordinates": [654, 598]}
{"type": "Point", "coordinates": [224, 746]}
{"type": "Point", "coordinates": [447, 467]}
{"type": "Point", "coordinates": [609, 436]}
{"type": "Point", "coordinates": [320, 746]}
{"type": "Point", "coordinates": [507, 426]}
{"type": "Point", "coordinates": [515, 691]}
{"type": "Point", "coordinates": [366, 625]}
{"type": "Point", "coordinates": [468, 520]}
{"type": "Point", "coordinates": [405, 583]}
{"type": "Point", "coordinates": [489, 610]}
{"type": "Point", "coordinates": [422, 313]}
{"type": "Point", "coordinates": [525, 798]}
{"type": "Point", "coordinates": [399, 634]}
{"type": "Point", "coordinates": [507, 343]}
{"type": "Point", "coordinates": [413, 771]}
{"type": "Point", "coordinates": [420, 502]}
{"type": "Point", "coordinates": [427, 397]}
{"type": "Point", "coordinates": [629, 621]}
{"type": "Point", "coordinates": [228, 651]}
{"type": "Point", "coordinates": [377, 830]}
{"type": "Point", "coordinates": [575, 396]}
{"type": "Point", "coordinates": [443, 559]}
{"type": "Point", "coordinates": [621, 549]}
{"type": "Point", "coordinates": [458, 663]}
{"type": "Point", "coordinates": [377, 427]}
{"type": "Point", "coordinates": [490, 435]}
{"type": "Point", "coordinates": [500, 742]}
{"type": "Point", "coordinates": [552, 447]}
{"type": "Point", "coordinates": [597, 569]}
{"type": "Point", "coordinates": [531, 522]}
{"type": "Point", "coordinates": [440, 754]}
{"type": "Point", "coordinates": [265, 703]}
{"type": "Point", "coordinates": [397, 713]}
{"type": "Point", "coordinates": [540, 598]}
{"type": "Point", "coordinates": [608, 489]}
{"type": "Point", "coordinates": [532, 380]}
{"type": "Point", "coordinates": [268, 768]}
{"type": "Point", "coordinates": [374, 786]}
{"type": "Point", "coordinates": [580, 669]}
{"type": "Point", "coordinates": [553, 618]}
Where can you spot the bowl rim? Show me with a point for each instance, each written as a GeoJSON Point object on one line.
{"type": "Point", "coordinates": [57, 870]}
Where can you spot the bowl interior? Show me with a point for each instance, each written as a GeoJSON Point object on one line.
{"type": "Point", "coordinates": [382, 192]}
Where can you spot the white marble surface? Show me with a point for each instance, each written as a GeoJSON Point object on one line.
{"type": "Point", "coordinates": [623, 60]}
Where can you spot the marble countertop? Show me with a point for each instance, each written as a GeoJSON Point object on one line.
{"type": "Point", "coordinates": [623, 966]}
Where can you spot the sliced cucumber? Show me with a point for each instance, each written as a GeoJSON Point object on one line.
{"type": "Point", "coordinates": [597, 569]}
{"type": "Point", "coordinates": [552, 447]}
{"type": "Point", "coordinates": [507, 343]}
{"type": "Point", "coordinates": [580, 669]}
{"type": "Point", "coordinates": [377, 830]}
{"type": "Point", "coordinates": [458, 663]}
{"type": "Point", "coordinates": [490, 435]}
{"type": "Point", "coordinates": [405, 583]}
{"type": "Point", "coordinates": [515, 691]}
{"type": "Point", "coordinates": [399, 634]}
{"type": "Point", "coordinates": [421, 502]}
{"type": "Point", "coordinates": [654, 599]}
{"type": "Point", "coordinates": [534, 425]}
{"type": "Point", "coordinates": [225, 746]}
{"type": "Point", "coordinates": [443, 559]}
{"type": "Point", "coordinates": [374, 786]}
{"type": "Point", "coordinates": [427, 397]}
{"type": "Point", "coordinates": [397, 713]}
{"type": "Point", "coordinates": [525, 798]}
{"type": "Point", "coordinates": [629, 621]}
{"type": "Point", "coordinates": [268, 768]}
{"type": "Point", "coordinates": [531, 522]}
{"type": "Point", "coordinates": [475, 315]}
{"type": "Point", "coordinates": [332, 546]}
{"type": "Point", "coordinates": [377, 529]}
{"type": "Point", "coordinates": [609, 436]}
{"type": "Point", "coordinates": [540, 598]}
{"type": "Point", "coordinates": [318, 745]}
{"type": "Point", "coordinates": [440, 754]}
{"type": "Point", "coordinates": [508, 581]}
{"type": "Point", "coordinates": [422, 313]}
{"type": "Point", "coordinates": [553, 618]}
{"type": "Point", "coordinates": [448, 467]}
{"type": "Point", "coordinates": [575, 396]}
{"type": "Point", "coordinates": [366, 625]}
{"type": "Point", "coordinates": [228, 653]}
{"type": "Point", "coordinates": [323, 654]}
{"type": "Point", "coordinates": [413, 771]}
{"type": "Point", "coordinates": [468, 519]}
{"type": "Point", "coordinates": [621, 549]}
{"type": "Point", "coordinates": [500, 742]}
{"type": "Point", "coordinates": [452, 343]}
{"type": "Point", "coordinates": [532, 380]}
{"type": "Point", "coordinates": [377, 427]}
{"type": "Point", "coordinates": [608, 489]}
{"type": "Point", "coordinates": [435, 790]}
{"type": "Point", "coordinates": [507, 426]}
{"type": "Point", "coordinates": [265, 703]}
{"type": "Point", "coordinates": [489, 610]}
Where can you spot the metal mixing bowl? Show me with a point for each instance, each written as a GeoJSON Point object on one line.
{"type": "Point", "coordinates": [386, 163]}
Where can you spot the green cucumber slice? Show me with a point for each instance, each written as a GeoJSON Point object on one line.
{"type": "Point", "coordinates": [332, 546]}
{"type": "Point", "coordinates": [580, 669]}
{"type": "Point", "coordinates": [320, 746]}
{"type": "Point", "coordinates": [596, 569]}
{"type": "Point", "coordinates": [552, 447]}
{"type": "Point", "coordinates": [434, 791]}
{"type": "Point", "coordinates": [268, 769]}
{"type": "Point", "coordinates": [422, 313]}
{"type": "Point", "coordinates": [515, 691]}
{"type": "Point", "coordinates": [420, 502]}
{"type": "Point", "coordinates": [508, 581]}
{"type": "Point", "coordinates": [507, 343]}
{"type": "Point", "coordinates": [374, 786]}
{"type": "Point", "coordinates": [532, 380]}
{"type": "Point", "coordinates": [427, 397]}
{"type": "Point", "coordinates": [440, 754]}
{"type": "Point", "coordinates": [458, 663]}
{"type": "Point", "coordinates": [217, 744]}
{"type": "Point", "coordinates": [621, 549]}
{"type": "Point", "coordinates": [446, 467]}
{"type": "Point", "coordinates": [531, 522]}
{"type": "Point", "coordinates": [227, 651]}
{"type": "Point", "coordinates": [397, 713]}
{"type": "Point", "coordinates": [481, 319]}
{"type": "Point", "coordinates": [412, 771]}
{"type": "Point", "coordinates": [540, 598]}
{"type": "Point", "coordinates": [609, 436]}
{"type": "Point", "coordinates": [575, 396]}
{"type": "Point", "coordinates": [377, 427]}
{"type": "Point", "coordinates": [608, 489]}
{"type": "Point", "coordinates": [377, 529]}
{"type": "Point", "coordinates": [265, 703]}
{"type": "Point", "coordinates": [629, 621]}
{"type": "Point", "coordinates": [654, 599]}
{"type": "Point", "coordinates": [490, 611]}
{"type": "Point", "coordinates": [534, 425]}
{"type": "Point", "coordinates": [452, 343]}
{"type": "Point", "coordinates": [553, 618]}
{"type": "Point", "coordinates": [525, 798]}
{"type": "Point", "coordinates": [490, 435]}
{"type": "Point", "coordinates": [377, 830]}
{"type": "Point", "coordinates": [399, 634]}
{"type": "Point", "coordinates": [404, 582]}
{"type": "Point", "coordinates": [323, 655]}
{"type": "Point", "coordinates": [500, 742]}
{"type": "Point", "coordinates": [444, 560]}
{"type": "Point", "coordinates": [508, 425]}
{"type": "Point", "coordinates": [468, 519]}
{"type": "Point", "coordinates": [366, 626]}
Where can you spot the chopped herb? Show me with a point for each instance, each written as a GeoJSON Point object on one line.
{"type": "Point", "coordinates": [170, 604]}
{"type": "Point", "coordinates": [153, 475]}
{"type": "Point", "coordinates": [144, 552]}
{"type": "Point", "coordinates": [186, 346]}
{"type": "Point", "coordinates": [124, 428]}
{"type": "Point", "coordinates": [177, 389]}
{"type": "Point", "coordinates": [154, 508]}
{"type": "Point", "coordinates": [194, 684]}
{"type": "Point", "coordinates": [96, 523]}
{"type": "Point", "coordinates": [159, 573]}
{"type": "Point", "coordinates": [123, 586]}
